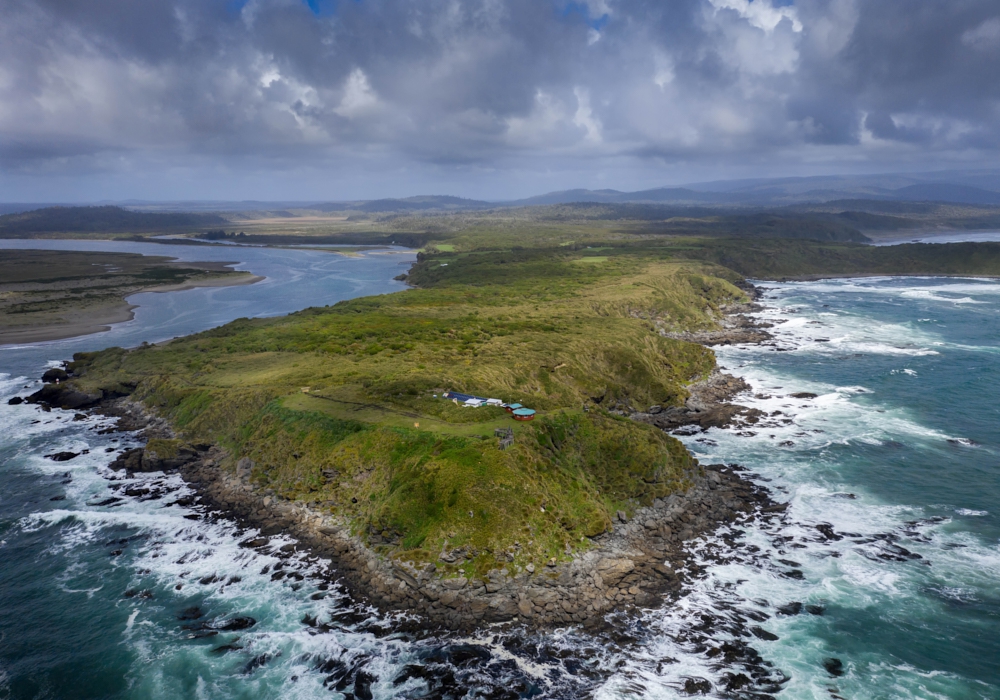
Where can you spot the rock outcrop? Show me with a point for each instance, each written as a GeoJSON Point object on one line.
{"type": "Point", "coordinates": [707, 406]}
{"type": "Point", "coordinates": [637, 564]}
{"type": "Point", "coordinates": [735, 328]}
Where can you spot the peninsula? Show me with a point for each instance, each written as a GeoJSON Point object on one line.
{"type": "Point", "coordinates": [331, 423]}
{"type": "Point", "coordinates": [53, 294]}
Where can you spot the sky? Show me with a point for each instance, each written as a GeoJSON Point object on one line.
{"type": "Point", "coordinates": [490, 99]}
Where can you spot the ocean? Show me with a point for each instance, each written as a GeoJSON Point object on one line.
{"type": "Point", "coordinates": [879, 581]}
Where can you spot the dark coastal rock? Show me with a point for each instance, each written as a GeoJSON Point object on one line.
{"type": "Point", "coordinates": [697, 686]}
{"type": "Point", "coordinates": [62, 456]}
{"type": "Point", "coordinates": [192, 613]}
{"type": "Point", "coordinates": [166, 455]}
{"type": "Point", "coordinates": [235, 624]}
{"type": "Point", "coordinates": [803, 395]}
{"type": "Point", "coordinates": [790, 608]}
{"type": "Point", "coordinates": [157, 456]}
{"type": "Point", "coordinates": [834, 666]}
{"type": "Point", "coordinates": [15, 401]}
{"type": "Point", "coordinates": [226, 648]}
{"type": "Point", "coordinates": [65, 396]}
{"type": "Point", "coordinates": [624, 571]}
{"type": "Point", "coordinates": [256, 663]}
{"type": "Point", "coordinates": [706, 407]}
{"type": "Point", "coordinates": [130, 460]}
{"type": "Point", "coordinates": [55, 374]}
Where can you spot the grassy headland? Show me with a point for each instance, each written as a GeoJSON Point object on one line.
{"type": "Point", "coordinates": [336, 406]}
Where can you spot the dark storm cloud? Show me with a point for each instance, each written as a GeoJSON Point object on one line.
{"type": "Point", "coordinates": [493, 84]}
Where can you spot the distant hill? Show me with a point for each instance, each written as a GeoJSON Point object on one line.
{"type": "Point", "coordinates": [105, 219]}
{"type": "Point", "coordinates": [673, 195]}
{"type": "Point", "coordinates": [946, 192]}
{"type": "Point", "coordinates": [408, 204]}
{"type": "Point", "coordinates": [18, 207]}
{"type": "Point", "coordinates": [959, 187]}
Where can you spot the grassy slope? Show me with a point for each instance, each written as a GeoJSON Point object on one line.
{"type": "Point", "coordinates": [335, 405]}
{"type": "Point", "coordinates": [772, 259]}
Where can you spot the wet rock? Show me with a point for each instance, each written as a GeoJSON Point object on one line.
{"type": "Point", "coordinates": [803, 395]}
{"type": "Point", "coordinates": [192, 613]}
{"type": "Point", "coordinates": [815, 609]}
{"type": "Point", "coordinates": [55, 374]}
{"type": "Point", "coordinates": [255, 663]}
{"type": "Point", "coordinates": [165, 455]}
{"type": "Point", "coordinates": [105, 502]}
{"type": "Point", "coordinates": [62, 456]}
{"type": "Point", "coordinates": [363, 686]}
{"type": "Point", "coordinates": [826, 529]}
{"type": "Point", "coordinates": [697, 686]}
{"type": "Point", "coordinates": [65, 396]}
{"type": "Point", "coordinates": [834, 666]}
{"type": "Point", "coordinates": [15, 401]}
{"type": "Point", "coordinates": [235, 624]}
{"type": "Point", "coordinates": [130, 460]}
{"type": "Point", "coordinates": [761, 633]}
{"type": "Point", "coordinates": [226, 648]}
{"type": "Point", "coordinates": [790, 608]}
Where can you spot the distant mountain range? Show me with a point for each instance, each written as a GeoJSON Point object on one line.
{"type": "Point", "coordinates": [977, 188]}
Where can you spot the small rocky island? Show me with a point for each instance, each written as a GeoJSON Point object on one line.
{"type": "Point", "coordinates": [330, 425]}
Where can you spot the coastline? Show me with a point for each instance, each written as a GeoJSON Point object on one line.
{"type": "Point", "coordinates": [640, 563]}
{"type": "Point", "coordinates": [101, 318]}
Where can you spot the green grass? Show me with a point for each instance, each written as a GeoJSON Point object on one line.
{"type": "Point", "coordinates": [336, 405]}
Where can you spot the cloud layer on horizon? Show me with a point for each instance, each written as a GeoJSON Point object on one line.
{"type": "Point", "coordinates": [486, 90]}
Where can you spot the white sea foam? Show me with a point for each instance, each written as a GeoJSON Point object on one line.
{"type": "Point", "coordinates": [869, 565]}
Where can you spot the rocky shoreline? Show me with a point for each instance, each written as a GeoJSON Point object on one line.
{"type": "Point", "coordinates": [641, 562]}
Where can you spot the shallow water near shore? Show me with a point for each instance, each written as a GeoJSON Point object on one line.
{"type": "Point", "coordinates": [896, 456]}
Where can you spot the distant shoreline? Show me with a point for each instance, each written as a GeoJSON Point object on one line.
{"type": "Point", "coordinates": [101, 318]}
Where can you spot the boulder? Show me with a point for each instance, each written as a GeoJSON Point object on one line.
{"type": "Point", "coordinates": [165, 455]}
{"type": "Point", "coordinates": [55, 374]}
{"type": "Point", "coordinates": [65, 396]}
{"type": "Point", "coordinates": [128, 459]}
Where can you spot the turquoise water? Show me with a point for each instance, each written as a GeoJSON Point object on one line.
{"type": "Point", "coordinates": [899, 452]}
{"type": "Point", "coordinates": [898, 456]}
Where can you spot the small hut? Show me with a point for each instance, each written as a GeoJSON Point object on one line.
{"type": "Point", "coordinates": [523, 413]}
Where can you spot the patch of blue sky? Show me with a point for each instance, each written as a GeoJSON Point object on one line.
{"type": "Point", "coordinates": [320, 8]}
{"type": "Point", "coordinates": [582, 10]}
